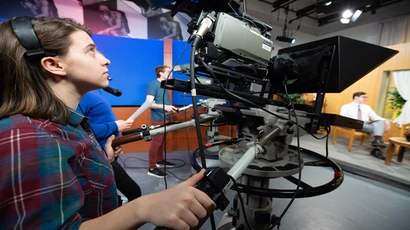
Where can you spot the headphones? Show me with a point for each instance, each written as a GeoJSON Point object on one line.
{"type": "Point", "coordinates": [23, 29]}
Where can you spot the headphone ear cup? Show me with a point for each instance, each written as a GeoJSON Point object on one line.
{"type": "Point", "coordinates": [23, 29]}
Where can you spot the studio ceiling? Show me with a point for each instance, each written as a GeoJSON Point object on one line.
{"type": "Point", "coordinates": [316, 18]}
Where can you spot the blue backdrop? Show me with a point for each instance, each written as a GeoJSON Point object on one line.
{"type": "Point", "coordinates": [179, 98]}
{"type": "Point", "coordinates": [132, 67]}
{"type": "Point", "coordinates": [178, 53]}
{"type": "Point", "coordinates": [133, 62]}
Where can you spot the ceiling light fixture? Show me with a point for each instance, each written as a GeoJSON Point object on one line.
{"type": "Point", "coordinates": [284, 37]}
{"type": "Point", "coordinates": [356, 15]}
{"type": "Point", "coordinates": [344, 20]}
{"type": "Point", "coordinates": [328, 3]}
{"type": "Point", "coordinates": [347, 14]}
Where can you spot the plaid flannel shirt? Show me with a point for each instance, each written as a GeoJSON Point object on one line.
{"type": "Point", "coordinates": [52, 176]}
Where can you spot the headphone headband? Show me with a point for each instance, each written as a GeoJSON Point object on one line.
{"type": "Point", "coordinates": [23, 29]}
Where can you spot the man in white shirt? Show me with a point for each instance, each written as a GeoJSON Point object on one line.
{"type": "Point", "coordinates": [373, 124]}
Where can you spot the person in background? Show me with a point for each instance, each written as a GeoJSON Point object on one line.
{"type": "Point", "coordinates": [373, 124]}
{"type": "Point", "coordinates": [104, 124]}
{"type": "Point", "coordinates": [146, 10]}
{"type": "Point", "coordinates": [171, 28]}
{"type": "Point", "coordinates": [54, 175]}
{"type": "Point", "coordinates": [116, 21]}
{"type": "Point", "coordinates": [41, 8]}
{"type": "Point", "coordinates": [160, 101]}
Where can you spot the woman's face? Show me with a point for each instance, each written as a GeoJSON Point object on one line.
{"type": "Point", "coordinates": [85, 66]}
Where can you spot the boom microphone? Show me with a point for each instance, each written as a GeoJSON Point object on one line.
{"type": "Point", "coordinates": [115, 92]}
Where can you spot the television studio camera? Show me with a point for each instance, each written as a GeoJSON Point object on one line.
{"type": "Point", "coordinates": [234, 50]}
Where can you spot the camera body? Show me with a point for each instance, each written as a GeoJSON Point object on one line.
{"type": "Point", "coordinates": [242, 39]}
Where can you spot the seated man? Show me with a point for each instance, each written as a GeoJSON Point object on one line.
{"type": "Point", "coordinates": [373, 124]}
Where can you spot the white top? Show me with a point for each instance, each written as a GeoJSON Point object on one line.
{"type": "Point", "coordinates": [351, 110]}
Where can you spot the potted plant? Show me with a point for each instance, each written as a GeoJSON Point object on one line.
{"type": "Point", "coordinates": [396, 101]}
{"type": "Point", "coordinates": [295, 98]}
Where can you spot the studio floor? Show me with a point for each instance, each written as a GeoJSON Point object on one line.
{"type": "Point", "coordinates": [372, 196]}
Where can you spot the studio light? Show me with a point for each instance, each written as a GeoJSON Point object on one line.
{"type": "Point", "coordinates": [344, 20]}
{"type": "Point", "coordinates": [356, 15]}
{"type": "Point", "coordinates": [286, 39]}
{"type": "Point", "coordinates": [347, 14]}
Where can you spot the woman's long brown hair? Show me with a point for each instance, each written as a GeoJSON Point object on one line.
{"type": "Point", "coordinates": [23, 87]}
